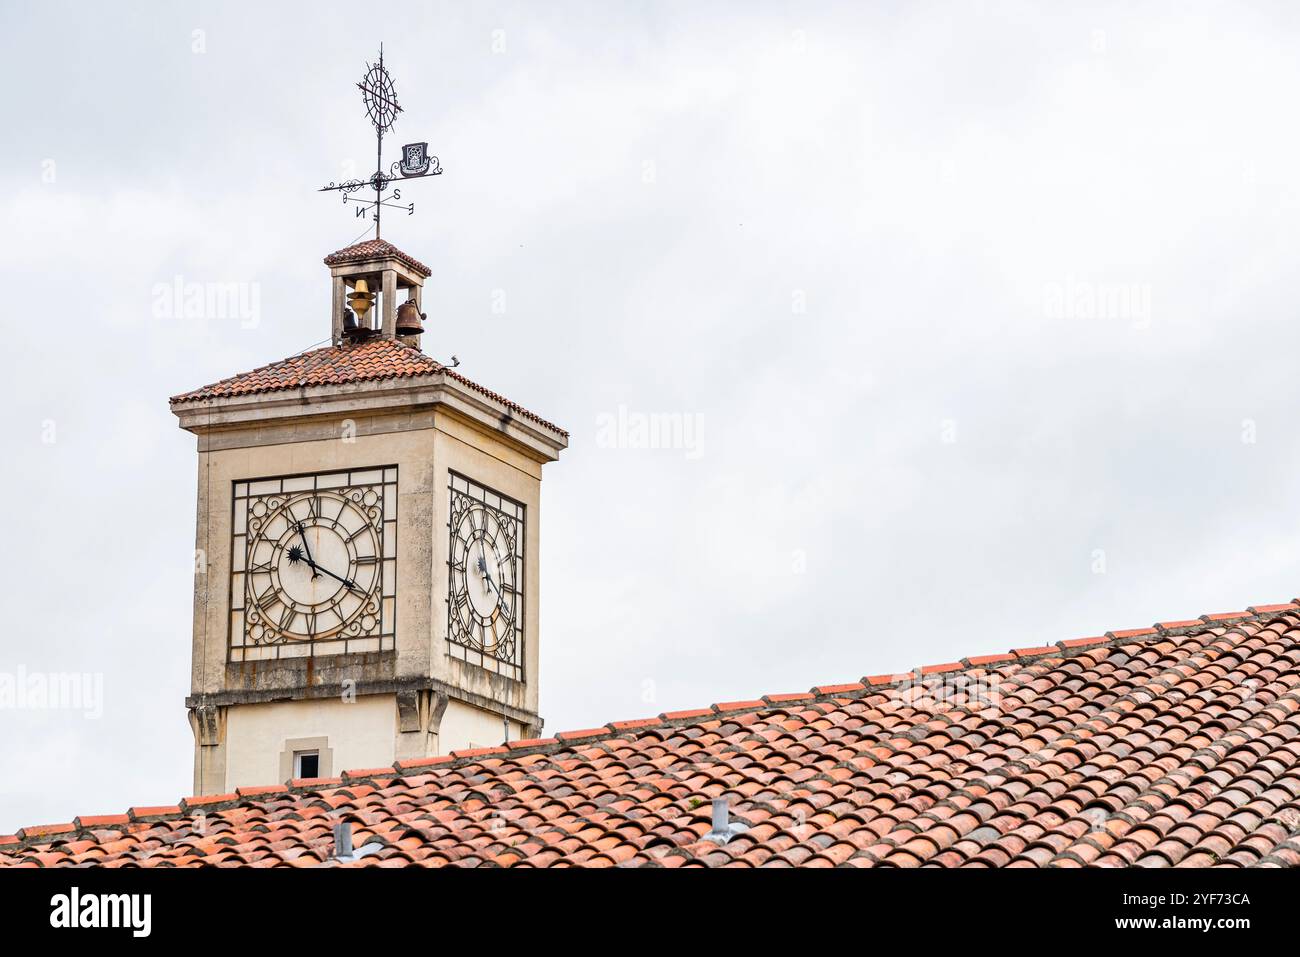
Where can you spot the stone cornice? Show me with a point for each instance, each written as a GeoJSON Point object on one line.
{"type": "Point", "coordinates": [241, 412]}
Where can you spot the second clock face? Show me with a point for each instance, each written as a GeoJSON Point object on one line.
{"type": "Point", "coordinates": [485, 602]}
{"type": "Point", "coordinates": [314, 562]}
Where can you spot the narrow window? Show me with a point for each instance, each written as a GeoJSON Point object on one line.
{"type": "Point", "coordinates": [306, 764]}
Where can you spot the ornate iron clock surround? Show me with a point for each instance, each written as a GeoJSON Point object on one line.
{"type": "Point", "coordinates": [485, 557]}
{"type": "Point", "coordinates": [273, 614]}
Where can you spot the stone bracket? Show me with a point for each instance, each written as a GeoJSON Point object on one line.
{"type": "Point", "coordinates": [420, 710]}
{"type": "Point", "coordinates": [208, 722]}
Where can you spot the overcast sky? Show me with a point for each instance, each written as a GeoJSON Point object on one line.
{"type": "Point", "coordinates": [983, 319]}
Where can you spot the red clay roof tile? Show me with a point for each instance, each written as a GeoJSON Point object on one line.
{"type": "Point", "coordinates": [981, 660]}
{"type": "Point", "coordinates": [1082, 642]}
{"type": "Point", "coordinates": [1130, 633]}
{"type": "Point", "coordinates": [1039, 772]}
{"type": "Point", "coordinates": [875, 680]}
{"type": "Point", "coordinates": [1271, 609]}
{"type": "Point", "coordinates": [839, 689]}
{"type": "Point", "coordinates": [102, 820]}
{"type": "Point", "coordinates": [410, 763]}
{"type": "Point", "coordinates": [375, 249]}
{"type": "Point", "coordinates": [629, 725]}
{"type": "Point", "coordinates": [262, 789]}
{"type": "Point", "coordinates": [584, 733]}
{"type": "Point", "coordinates": [315, 782]}
{"type": "Point", "coordinates": [478, 752]}
{"type": "Point", "coordinates": [371, 360]}
{"type": "Point", "coordinates": [738, 705]}
{"type": "Point", "coordinates": [203, 800]}
{"type": "Point", "coordinates": [46, 830]}
{"type": "Point", "coordinates": [682, 715]}
{"type": "Point", "coordinates": [1171, 625]}
{"type": "Point", "coordinates": [940, 669]}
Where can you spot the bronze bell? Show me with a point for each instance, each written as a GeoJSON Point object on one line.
{"type": "Point", "coordinates": [361, 299]}
{"type": "Point", "coordinates": [410, 321]}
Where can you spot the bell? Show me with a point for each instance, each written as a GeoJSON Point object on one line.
{"type": "Point", "coordinates": [409, 319]}
{"type": "Point", "coordinates": [361, 299]}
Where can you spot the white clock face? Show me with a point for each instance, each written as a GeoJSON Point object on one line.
{"type": "Point", "coordinates": [317, 562]}
{"type": "Point", "coordinates": [485, 603]}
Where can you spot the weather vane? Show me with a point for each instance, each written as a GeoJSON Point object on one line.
{"type": "Point", "coordinates": [380, 98]}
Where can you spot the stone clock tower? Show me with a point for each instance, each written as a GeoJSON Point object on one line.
{"type": "Point", "coordinates": [368, 527]}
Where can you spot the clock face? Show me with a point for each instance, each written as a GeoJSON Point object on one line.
{"type": "Point", "coordinates": [317, 563]}
{"type": "Point", "coordinates": [485, 603]}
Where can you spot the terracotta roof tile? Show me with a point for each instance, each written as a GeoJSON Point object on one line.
{"type": "Point", "coordinates": [1130, 633]}
{"type": "Point", "coordinates": [1082, 642]}
{"type": "Point", "coordinates": [839, 689]}
{"type": "Point", "coordinates": [102, 820]}
{"type": "Point", "coordinates": [939, 669]}
{"type": "Point", "coordinates": [981, 660]}
{"type": "Point", "coordinates": [1054, 767]}
{"type": "Point", "coordinates": [874, 680]}
{"type": "Point", "coordinates": [725, 706]}
{"type": "Point", "coordinates": [375, 249]}
{"type": "Point", "coordinates": [372, 360]}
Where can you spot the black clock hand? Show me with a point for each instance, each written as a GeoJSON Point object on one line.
{"type": "Point", "coordinates": [483, 570]}
{"type": "Point", "coordinates": [302, 534]}
{"type": "Point", "coordinates": [352, 586]}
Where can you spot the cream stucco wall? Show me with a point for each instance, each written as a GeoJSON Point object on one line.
{"type": "Point", "coordinates": [359, 734]}
{"type": "Point", "coordinates": [468, 727]}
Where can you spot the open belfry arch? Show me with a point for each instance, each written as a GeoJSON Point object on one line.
{"type": "Point", "coordinates": [376, 271]}
{"type": "Point", "coordinates": [369, 525]}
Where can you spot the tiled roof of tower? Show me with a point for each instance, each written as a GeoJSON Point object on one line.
{"type": "Point", "coordinates": [374, 249]}
{"type": "Point", "coordinates": [367, 361]}
{"type": "Point", "coordinates": [1172, 745]}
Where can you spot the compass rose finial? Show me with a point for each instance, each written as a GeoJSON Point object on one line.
{"type": "Point", "coordinates": [380, 99]}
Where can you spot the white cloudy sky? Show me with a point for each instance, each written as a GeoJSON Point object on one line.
{"type": "Point", "coordinates": [863, 246]}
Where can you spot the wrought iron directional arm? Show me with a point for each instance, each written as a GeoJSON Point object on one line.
{"type": "Point", "coordinates": [348, 186]}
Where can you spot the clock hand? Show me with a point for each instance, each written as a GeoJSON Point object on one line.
{"type": "Point", "coordinates": [352, 586]}
{"type": "Point", "coordinates": [483, 570]}
{"type": "Point", "coordinates": [302, 534]}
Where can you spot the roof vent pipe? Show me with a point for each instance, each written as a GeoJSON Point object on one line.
{"type": "Point", "coordinates": [721, 815]}
{"type": "Point", "coordinates": [724, 829]}
{"type": "Point", "coordinates": [343, 850]}
{"type": "Point", "coordinates": [343, 840]}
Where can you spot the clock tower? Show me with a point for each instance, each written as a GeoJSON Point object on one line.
{"type": "Point", "coordinates": [366, 584]}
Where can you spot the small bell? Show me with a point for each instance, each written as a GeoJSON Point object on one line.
{"type": "Point", "coordinates": [361, 299]}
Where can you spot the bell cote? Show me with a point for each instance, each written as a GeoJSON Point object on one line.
{"type": "Point", "coordinates": [376, 292]}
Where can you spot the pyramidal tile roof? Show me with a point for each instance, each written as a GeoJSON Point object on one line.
{"type": "Point", "coordinates": [374, 249]}
{"type": "Point", "coordinates": [370, 360]}
{"type": "Point", "coordinates": [1176, 745]}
